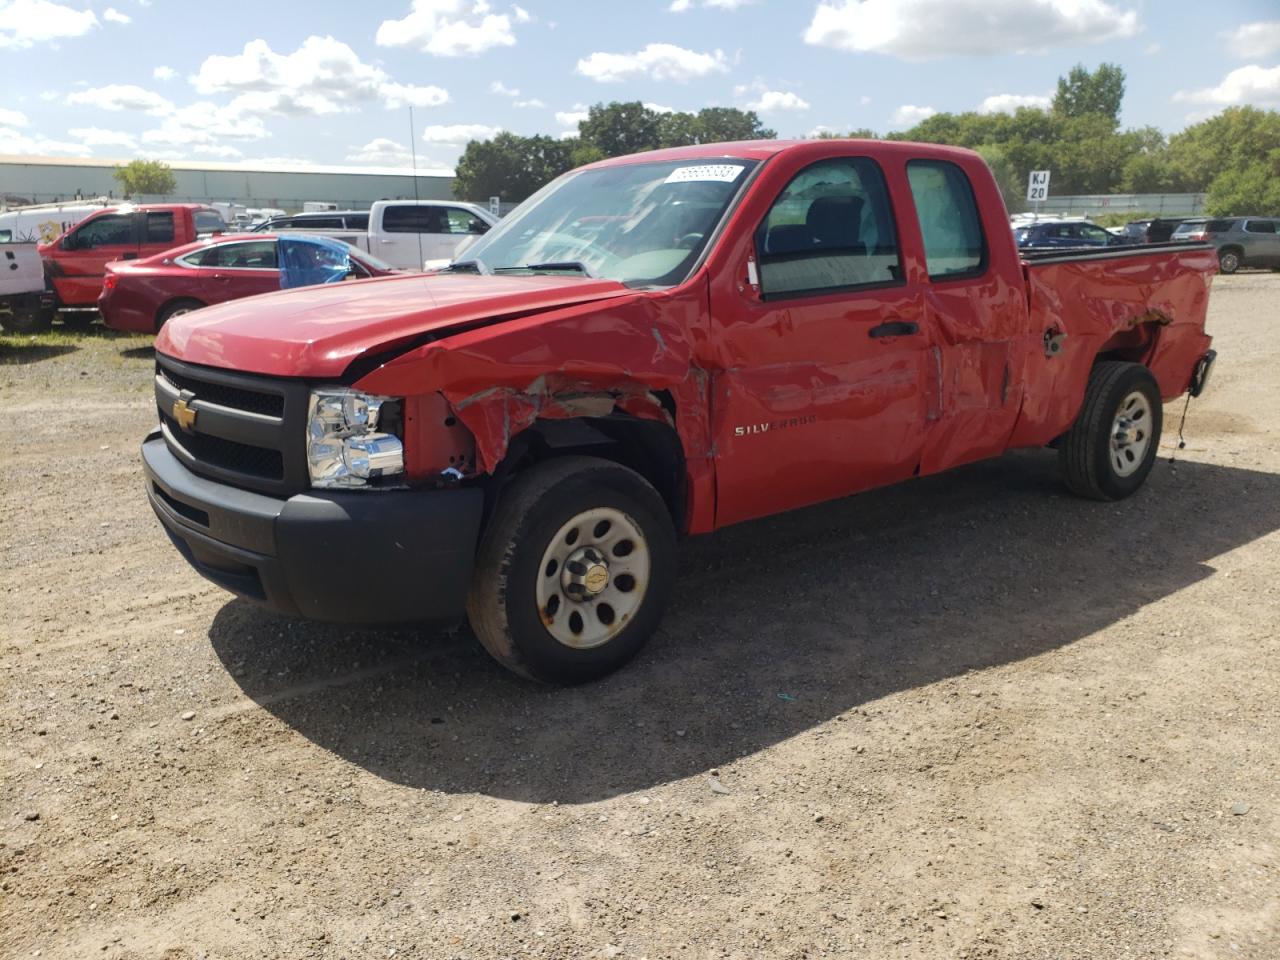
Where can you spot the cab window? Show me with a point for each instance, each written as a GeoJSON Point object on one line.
{"type": "Point", "coordinates": [415, 219]}
{"type": "Point", "coordinates": [954, 246]}
{"type": "Point", "coordinates": [462, 221]}
{"type": "Point", "coordinates": [831, 228]}
{"type": "Point", "coordinates": [109, 230]}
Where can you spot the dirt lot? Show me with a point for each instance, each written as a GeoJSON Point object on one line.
{"type": "Point", "coordinates": [968, 717]}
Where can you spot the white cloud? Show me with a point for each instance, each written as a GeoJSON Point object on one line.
{"type": "Point", "coordinates": [458, 134]}
{"type": "Point", "coordinates": [921, 29]}
{"type": "Point", "coordinates": [522, 15]}
{"type": "Point", "coordinates": [680, 6]}
{"type": "Point", "coordinates": [908, 115]}
{"type": "Point", "coordinates": [322, 76]}
{"type": "Point", "coordinates": [98, 137]}
{"type": "Point", "coordinates": [657, 61]}
{"type": "Point", "coordinates": [1151, 49]}
{"type": "Point", "coordinates": [533, 103]}
{"type": "Point", "coordinates": [115, 16]}
{"type": "Point", "coordinates": [451, 28]}
{"type": "Point", "coordinates": [1254, 41]}
{"type": "Point", "coordinates": [220, 150]}
{"type": "Point", "coordinates": [164, 73]}
{"type": "Point", "coordinates": [12, 118]}
{"type": "Point", "coordinates": [1009, 102]}
{"type": "Point", "coordinates": [1252, 85]}
{"type": "Point", "coordinates": [774, 100]}
{"type": "Point", "coordinates": [571, 118]}
{"type": "Point", "coordinates": [387, 153]}
{"type": "Point", "coordinates": [208, 123]}
{"type": "Point", "coordinates": [11, 141]}
{"type": "Point", "coordinates": [656, 108]}
{"type": "Point", "coordinates": [122, 96]}
{"type": "Point", "coordinates": [24, 23]}
{"type": "Point", "coordinates": [502, 89]}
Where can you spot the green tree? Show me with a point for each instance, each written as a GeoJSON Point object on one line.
{"type": "Point", "coordinates": [510, 166]}
{"type": "Point", "coordinates": [1081, 93]}
{"type": "Point", "coordinates": [1251, 189]}
{"type": "Point", "coordinates": [153, 177]}
{"type": "Point", "coordinates": [1235, 139]}
{"type": "Point", "coordinates": [617, 128]}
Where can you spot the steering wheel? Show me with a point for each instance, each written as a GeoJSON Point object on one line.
{"type": "Point", "coordinates": [689, 241]}
{"type": "Point", "coordinates": [573, 248]}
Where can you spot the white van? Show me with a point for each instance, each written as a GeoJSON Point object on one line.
{"type": "Point", "coordinates": [44, 222]}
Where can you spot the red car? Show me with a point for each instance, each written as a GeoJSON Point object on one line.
{"type": "Point", "coordinates": [140, 295]}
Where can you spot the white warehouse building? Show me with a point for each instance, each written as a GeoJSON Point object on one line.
{"type": "Point", "coordinates": [31, 179]}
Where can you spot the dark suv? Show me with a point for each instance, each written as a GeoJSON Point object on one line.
{"type": "Point", "coordinates": [1064, 234]}
{"type": "Point", "coordinates": [1155, 230]}
{"type": "Point", "coordinates": [1240, 241]}
{"type": "Point", "coordinates": [324, 220]}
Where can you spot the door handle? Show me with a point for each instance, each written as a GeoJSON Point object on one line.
{"type": "Point", "coordinates": [894, 328]}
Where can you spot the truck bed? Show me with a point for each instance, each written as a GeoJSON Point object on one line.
{"type": "Point", "coordinates": [1143, 303]}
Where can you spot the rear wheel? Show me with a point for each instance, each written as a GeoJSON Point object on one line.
{"type": "Point", "coordinates": [175, 308]}
{"type": "Point", "coordinates": [1112, 446]}
{"type": "Point", "coordinates": [573, 572]}
{"type": "Point", "coordinates": [1229, 261]}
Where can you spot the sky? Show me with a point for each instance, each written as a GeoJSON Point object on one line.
{"type": "Point", "coordinates": [327, 82]}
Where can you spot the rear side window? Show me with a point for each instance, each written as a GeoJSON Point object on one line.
{"type": "Point", "coordinates": [208, 221]}
{"type": "Point", "coordinates": [318, 223]}
{"type": "Point", "coordinates": [1259, 226]}
{"type": "Point", "coordinates": [256, 255]}
{"type": "Point", "coordinates": [358, 221]}
{"type": "Point", "coordinates": [831, 228]}
{"type": "Point", "coordinates": [1217, 226]}
{"type": "Point", "coordinates": [415, 219]}
{"type": "Point", "coordinates": [953, 242]}
{"type": "Point", "coordinates": [159, 227]}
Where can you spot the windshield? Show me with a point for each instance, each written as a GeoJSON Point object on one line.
{"type": "Point", "coordinates": [643, 224]}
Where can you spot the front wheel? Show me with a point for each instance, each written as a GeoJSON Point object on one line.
{"type": "Point", "coordinates": [1112, 446]}
{"type": "Point", "coordinates": [574, 570]}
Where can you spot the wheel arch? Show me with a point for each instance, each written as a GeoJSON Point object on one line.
{"type": "Point", "coordinates": [162, 310]}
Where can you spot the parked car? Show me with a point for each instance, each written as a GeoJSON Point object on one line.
{"type": "Point", "coordinates": [1064, 234]}
{"type": "Point", "coordinates": [76, 261]}
{"type": "Point", "coordinates": [142, 295]}
{"type": "Point", "coordinates": [1240, 241]}
{"type": "Point", "coordinates": [657, 344]}
{"type": "Point", "coordinates": [353, 220]}
{"type": "Point", "coordinates": [405, 233]}
{"type": "Point", "coordinates": [1154, 230]}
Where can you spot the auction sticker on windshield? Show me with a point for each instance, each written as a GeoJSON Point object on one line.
{"type": "Point", "coordinates": [717, 172]}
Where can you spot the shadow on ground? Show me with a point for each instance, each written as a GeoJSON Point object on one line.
{"type": "Point", "coordinates": [19, 348]}
{"type": "Point", "coordinates": [834, 606]}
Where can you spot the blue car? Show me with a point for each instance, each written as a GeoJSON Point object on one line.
{"type": "Point", "coordinates": [1064, 234]}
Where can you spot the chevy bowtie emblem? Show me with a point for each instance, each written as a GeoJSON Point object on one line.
{"type": "Point", "coordinates": [184, 414]}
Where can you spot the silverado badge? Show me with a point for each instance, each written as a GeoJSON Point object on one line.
{"type": "Point", "coordinates": [184, 414]}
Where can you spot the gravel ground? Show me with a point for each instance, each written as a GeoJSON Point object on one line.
{"type": "Point", "coordinates": [966, 717]}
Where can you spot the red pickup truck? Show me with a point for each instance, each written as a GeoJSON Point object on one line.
{"type": "Point", "coordinates": [652, 345]}
{"type": "Point", "coordinates": [75, 262]}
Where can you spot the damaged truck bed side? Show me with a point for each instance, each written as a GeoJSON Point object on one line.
{"type": "Point", "coordinates": [651, 346]}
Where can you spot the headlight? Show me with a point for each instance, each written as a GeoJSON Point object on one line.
{"type": "Point", "coordinates": [344, 447]}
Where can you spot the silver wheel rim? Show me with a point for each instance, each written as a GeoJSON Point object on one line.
{"type": "Point", "coordinates": [179, 312]}
{"type": "Point", "coordinates": [1131, 433]}
{"type": "Point", "coordinates": [593, 578]}
{"type": "Point", "coordinates": [1229, 262]}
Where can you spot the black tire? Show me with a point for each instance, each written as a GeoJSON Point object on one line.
{"type": "Point", "coordinates": [502, 605]}
{"type": "Point", "coordinates": [1091, 467]}
{"type": "Point", "coordinates": [1229, 261]}
{"type": "Point", "coordinates": [173, 308]}
{"type": "Point", "coordinates": [27, 320]}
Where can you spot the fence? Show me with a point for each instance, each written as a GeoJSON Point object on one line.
{"type": "Point", "coordinates": [1160, 204]}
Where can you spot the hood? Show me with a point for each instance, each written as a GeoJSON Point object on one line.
{"type": "Point", "coordinates": [317, 331]}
